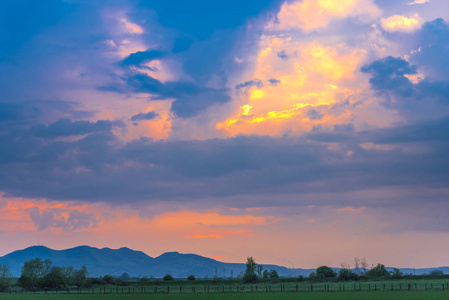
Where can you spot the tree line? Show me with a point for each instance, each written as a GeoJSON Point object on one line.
{"type": "Point", "coordinates": [361, 271]}
{"type": "Point", "coordinates": [42, 274]}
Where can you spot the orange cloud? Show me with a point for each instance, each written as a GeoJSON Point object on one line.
{"type": "Point", "coordinates": [221, 234]}
{"type": "Point", "coordinates": [15, 213]}
{"type": "Point", "coordinates": [158, 128]}
{"type": "Point", "coordinates": [296, 78]}
{"type": "Point", "coordinates": [351, 209]}
{"type": "Point", "coordinates": [192, 219]}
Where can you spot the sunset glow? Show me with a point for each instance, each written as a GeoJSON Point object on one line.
{"type": "Point", "coordinates": [228, 129]}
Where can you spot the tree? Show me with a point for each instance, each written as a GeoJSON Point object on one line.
{"type": "Point", "coordinates": [250, 272]}
{"type": "Point", "coordinates": [364, 265]}
{"type": "Point", "coordinates": [360, 266]}
{"type": "Point", "coordinates": [191, 277]}
{"type": "Point", "coordinates": [273, 274]}
{"type": "Point", "coordinates": [325, 271]}
{"type": "Point", "coordinates": [346, 274]}
{"type": "Point", "coordinates": [397, 274]}
{"type": "Point", "coordinates": [168, 277]}
{"type": "Point", "coordinates": [436, 273]}
{"type": "Point", "coordinates": [378, 271]}
{"type": "Point", "coordinates": [51, 280]}
{"type": "Point", "coordinates": [5, 277]}
{"type": "Point", "coordinates": [108, 279]}
{"type": "Point", "coordinates": [32, 271]}
{"type": "Point", "coordinates": [80, 277]}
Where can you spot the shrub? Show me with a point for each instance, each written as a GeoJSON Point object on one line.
{"type": "Point", "coordinates": [168, 277]}
{"type": "Point", "coordinates": [347, 274]}
{"type": "Point", "coordinates": [325, 271]}
{"type": "Point", "coordinates": [191, 277]}
{"type": "Point", "coordinates": [108, 279]}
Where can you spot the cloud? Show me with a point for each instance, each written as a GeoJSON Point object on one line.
{"type": "Point", "coordinates": [314, 114]}
{"type": "Point", "coordinates": [72, 220]}
{"type": "Point", "coordinates": [131, 27]}
{"type": "Point", "coordinates": [190, 98]}
{"type": "Point", "coordinates": [99, 168]}
{"type": "Point", "coordinates": [139, 57]}
{"type": "Point", "coordinates": [65, 127]}
{"type": "Point", "coordinates": [311, 14]}
{"type": "Point", "coordinates": [255, 82]}
{"type": "Point", "coordinates": [431, 43]}
{"type": "Point", "coordinates": [145, 116]}
{"type": "Point", "coordinates": [388, 74]}
{"type": "Point", "coordinates": [315, 76]}
{"type": "Point", "coordinates": [414, 100]}
{"type": "Point", "coordinates": [418, 2]}
{"type": "Point", "coordinates": [401, 23]}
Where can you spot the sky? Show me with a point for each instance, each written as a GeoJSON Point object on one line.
{"type": "Point", "coordinates": [300, 132]}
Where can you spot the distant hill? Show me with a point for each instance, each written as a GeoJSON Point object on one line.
{"type": "Point", "coordinates": [115, 262]}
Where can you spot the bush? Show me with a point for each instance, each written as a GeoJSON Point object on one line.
{"type": "Point", "coordinates": [347, 274]}
{"type": "Point", "coordinates": [191, 277]}
{"type": "Point", "coordinates": [326, 272]}
{"type": "Point", "coordinates": [168, 277]}
{"type": "Point", "coordinates": [108, 279]}
{"type": "Point", "coordinates": [436, 273]}
{"type": "Point", "coordinates": [378, 271]}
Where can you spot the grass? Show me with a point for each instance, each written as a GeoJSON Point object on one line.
{"type": "Point", "coordinates": [433, 295]}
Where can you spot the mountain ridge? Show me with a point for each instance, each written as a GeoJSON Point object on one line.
{"type": "Point", "coordinates": [100, 262]}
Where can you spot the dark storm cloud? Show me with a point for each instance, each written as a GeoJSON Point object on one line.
{"type": "Point", "coordinates": [145, 116]}
{"type": "Point", "coordinates": [274, 81]}
{"type": "Point", "coordinates": [255, 82]}
{"type": "Point", "coordinates": [140, 57]}
{"type": "Point", "coordinates": [283, 55]}
{"type": "Point", "coordinates": [388, 74]}
{"type": "Point", "coordinates": [432, 42]}
{"type": "Point", "coordinates": [191, 16]}
{"type": "Point", "coordinates": [190, 98]}
{"type": "Point", "coordinates": [65, 127]}
{"type": "Point", "coordinates": [423, 99]}
{"type": "Point", "coordinates": [313, 114]}
{"type": "Point", "coordinates": [101, 168]}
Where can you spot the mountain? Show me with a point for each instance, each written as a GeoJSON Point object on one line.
{"type": "Point", "coordinates": [115, 262]}
{"type": "Point", "coordinates": [98, 261]}
{"type": "Point", "coordinates": [104, 261]}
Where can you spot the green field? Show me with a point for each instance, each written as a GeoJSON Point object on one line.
{"type": "Point", "coordinates": [227, 296]}
{"type": "Point", "coordinates": [180, 290]}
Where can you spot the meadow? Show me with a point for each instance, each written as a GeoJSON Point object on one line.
{"type": "Point", "coordinates": [431, 295]}
{"type": "Point", "coordinates": [393, 289]}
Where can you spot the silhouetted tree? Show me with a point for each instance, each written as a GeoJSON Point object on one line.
{"type": "Point", "coordinates": [168, 277]}
{"type": "Point", "coordinates": [32, 271]}
{"type": "Point", "coordinates": [436, 273]}
{"type": "Point", "coordinates": [397, 274]}
{"type": "Point", "coordinates": [250, 272]}
{"type": "Point", "coordinates": [108, 279]}
{"type": "Point", "coordinates": [5, 277]}
{"type": "Point", "coordinates": [346, 274]}
{"type": "Point", "coordinates": [378, 271]}
{"type": "Point", "coordinates": [325, 271]}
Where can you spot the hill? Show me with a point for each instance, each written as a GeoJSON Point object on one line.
{"type": "Point", "coordinates": [115, 262]}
